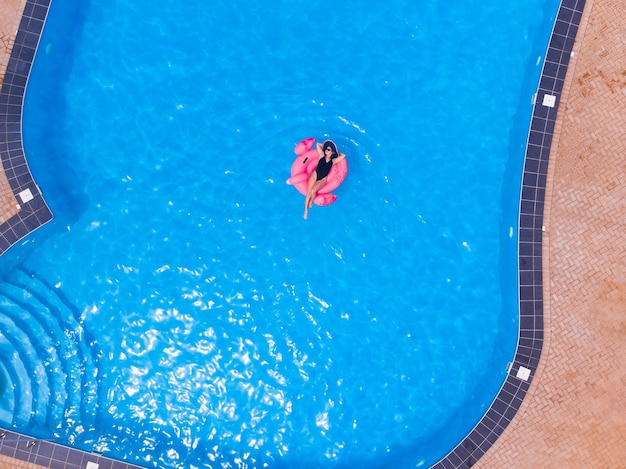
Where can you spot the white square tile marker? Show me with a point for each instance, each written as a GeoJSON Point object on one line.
{"type": "Point", "coordinates": [523, 373]}
{"type": "Point", "coordinates": [549, 100]}
{"type": "Point", "coordinates": [26, 195]}
{"type": "Point", "coordinates": [92, 465]}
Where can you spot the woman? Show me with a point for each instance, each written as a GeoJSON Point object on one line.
{"type": "Point", "coordinates": [328, 155]}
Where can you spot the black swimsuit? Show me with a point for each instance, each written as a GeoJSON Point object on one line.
{"type": "Point", "coordinates": [323, 167]}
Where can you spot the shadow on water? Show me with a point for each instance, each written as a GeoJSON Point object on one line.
{"type": "Point", "coordinates": [511, 192]}
{"type": "Point", "coordinates": [45, 111]}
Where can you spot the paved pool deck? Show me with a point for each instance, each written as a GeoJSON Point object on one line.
{"type": "Point", "coordinates": [10, 16]}
{"type": "Point", "coordinates": [572, 414]}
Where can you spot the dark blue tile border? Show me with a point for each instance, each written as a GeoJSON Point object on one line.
{"type": "Point", "coordinates": [48, 454]}
{"type": "Point", "coordinates": [33, 213]}
{"type": "Point", "coordinates": [530, 336]}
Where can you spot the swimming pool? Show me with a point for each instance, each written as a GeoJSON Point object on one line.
{"type": "Point", "coordinates": [452, 279]}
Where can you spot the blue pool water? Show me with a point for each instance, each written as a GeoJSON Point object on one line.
{"type": "Point", "coordinates": [179, 312]}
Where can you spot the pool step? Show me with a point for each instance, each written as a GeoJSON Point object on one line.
{"type": "Point", "coordinates": [22, 350]}
{"type": "Point", "coordinates": [45, 334]}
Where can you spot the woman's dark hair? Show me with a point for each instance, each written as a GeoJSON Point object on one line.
{"type": "Point", "coordinates": [330, 144]}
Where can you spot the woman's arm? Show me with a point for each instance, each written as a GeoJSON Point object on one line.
{"type": "Point", "coordinates": [320, 151]}
{"type": "Point", "coordinates": [340, 157]}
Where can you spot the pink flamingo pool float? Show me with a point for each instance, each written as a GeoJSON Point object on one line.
{"type": "Point", "coordinates": [306, 162]}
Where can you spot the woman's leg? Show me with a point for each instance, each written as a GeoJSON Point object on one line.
{"type": "Point", "coordinates": [309, 187]}
{"type": "Point", "coordinates": [316, 187]}
{"type": "Point", "coordinates": [311, 193]}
